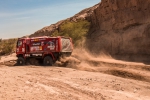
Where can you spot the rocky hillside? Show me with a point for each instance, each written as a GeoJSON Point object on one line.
{"type": "Point", "coordinates": [49, 30]}
{"type": "Point", "coordinates": [122, 29]}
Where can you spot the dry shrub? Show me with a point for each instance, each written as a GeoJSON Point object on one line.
{"type": "Point", "coordinates": [76, 30]}
{"type": "Point", "coordinates": [7, 46]}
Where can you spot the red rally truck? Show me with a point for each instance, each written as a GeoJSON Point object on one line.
{"type": "Point", "coordinates": [45, 49]}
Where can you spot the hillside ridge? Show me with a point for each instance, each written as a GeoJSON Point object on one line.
{"type": "Point", "coordinates": [118, 28]}
{"type": "Point", "coordinates": [48, 30]}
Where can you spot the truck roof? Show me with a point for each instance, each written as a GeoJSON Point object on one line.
{"type": "Point", "coordinates": [43, 37]}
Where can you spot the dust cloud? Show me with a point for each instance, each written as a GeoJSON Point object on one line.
{"type": "Point", "coordinates": [83, 60]}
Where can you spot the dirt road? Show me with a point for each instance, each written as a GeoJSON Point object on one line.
{"type": "Point", "coordinates": [102, 79]}
{"type": "Point", "coordinates": [56, 83]}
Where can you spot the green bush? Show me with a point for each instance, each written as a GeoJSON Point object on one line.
{"type": "Point", "coordinates": [7, 46]}
{"type": "Point", "coordinates": [76, 30]}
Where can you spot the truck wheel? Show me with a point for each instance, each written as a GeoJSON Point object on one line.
{"type": "Point", "coordinates": [48, 61]}
{"type": "Point", "coordinates": [20, 61]}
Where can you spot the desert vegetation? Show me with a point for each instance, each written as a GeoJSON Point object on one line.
{"type": "Point", "coordinates": [76, 30]}
{"type": "Point", "coordinates": [7, 46]}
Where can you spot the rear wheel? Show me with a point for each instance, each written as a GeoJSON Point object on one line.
{"type": "Point", "coordinates": [48, 61]}
{"type": "Point", "coordinates": [20, 61]}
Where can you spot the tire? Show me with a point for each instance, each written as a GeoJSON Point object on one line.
{"type": "Point", "coordinates": [48, 61]}
{"type": "Point", "coordinates": [21, 61]}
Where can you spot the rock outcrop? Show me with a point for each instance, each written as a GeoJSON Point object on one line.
{"type": "Point", "coordinates": [121, 28]}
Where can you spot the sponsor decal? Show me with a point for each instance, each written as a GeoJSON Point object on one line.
{"type": "Point", "coordinates": [35, 48]}
{"type": "Point", "coordinates": [23, 49]}
{"type": "Point", "coordinates": [36, 54]}
{"type": "Point", "coordinates": [51, 45]}
{"type": "Point", "coordinates": [35, 40]}
{"type": "Point", "coordinates": [36, 44]}
{"type": "Point", "coordinates": [27, 55]}
{"type": "Point", "coordinates": [42, 43]}
{"type": "Point", "coordinates": [42, 39]}
{"type": "Point", "coordinates": [40, 47]}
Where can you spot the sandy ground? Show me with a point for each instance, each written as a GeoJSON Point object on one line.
{"type": "Point", "coordinates": [95, 79]}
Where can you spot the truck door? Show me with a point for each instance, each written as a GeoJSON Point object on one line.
{"type": "Point", "coordinates": [20, 47]}
{"type": "Point", "coordinates": [27, 45]}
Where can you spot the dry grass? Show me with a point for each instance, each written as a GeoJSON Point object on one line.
{"type": "Point", "coordinates": [7, 46]}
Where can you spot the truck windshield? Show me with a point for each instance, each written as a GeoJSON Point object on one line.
{"type": "Point", "coordinates": [19, 43]}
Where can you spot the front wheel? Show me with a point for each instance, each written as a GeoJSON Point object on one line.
{"type": "Point", "coordinates": [21, 61]}
{"type": "Point", "coordinates": [48, 61]}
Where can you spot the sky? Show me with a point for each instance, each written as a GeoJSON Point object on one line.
{"type": "Point", "coordinates": [24, 17]}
